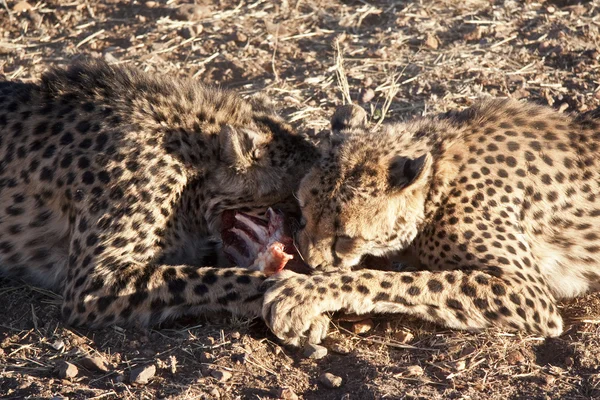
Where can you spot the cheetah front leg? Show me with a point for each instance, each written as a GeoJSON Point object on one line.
{"type": "Point", "coordinates": [295, 305]}
{"type": "Point", "coordinates": [107, 284]}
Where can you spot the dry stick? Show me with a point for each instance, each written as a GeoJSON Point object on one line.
{"type": "Point", "coordinates": [340, 73]}
{"type": "Point", "coordinates": [275, 53]}
{"type": "Point", "coordinates": [389, 97]}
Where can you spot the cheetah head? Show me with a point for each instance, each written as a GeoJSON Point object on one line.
{"type": "Point", "coordinates": [261, 163]}
{"type": "Point", "coordinates": [365, 196]}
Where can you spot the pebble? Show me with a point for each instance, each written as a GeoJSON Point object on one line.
{"type": "Point", "coordinates": [363, 326]}
{"type": "Point", "coordinates": [285, 394]}
{"type": "Point", "coordinates": [460, 365]}
{"type": "Point", "coordinates": [192, 12]}
{"type": "Point", "coordinates": [515, 357]}
{"type": "Point", "coordinates": [413, 370]}
{"type": "Point", "coordinates": [569, 361]}
{"type": "Point", "coordinates": [331, 381]}
{"type": "Point", "coordinates": [142, 375]}
{"type": "Point", "coordinates": [110, 58]}
{"type": "Point", "coordinates": [340, 348]}
{"type": "Point", "coordinates": [241, 37]}
{"type": "Point", "coordinates": [206, 357]}
{"type": "Point", "coordinates": [58, 345]}
{"type": "Point", "coordinates": [367, 95]}
{"type": "Point", "coordinates": [94, 364]}
{"type": "Point", "coordinates": [236, 335]}
{"type": "Point", "coordinates": [221, 375]}
{"type": "Point", "coordinates": [314, 351]}
{"type": "Point", "coordinates": [403, 336]}
{"type": "Point", "coordinates": [66, 370]}
{"type": "Point", "coordinates": [431, 42]}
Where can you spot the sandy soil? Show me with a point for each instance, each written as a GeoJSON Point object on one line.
{"type": "Point", "coordinates": [428, 57]}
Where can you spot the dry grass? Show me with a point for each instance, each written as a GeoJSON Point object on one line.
{"type": "Point", "coordinates": [398, 59]}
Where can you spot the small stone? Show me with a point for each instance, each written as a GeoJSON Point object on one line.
{"type": "Point", "coordinates": [548, 379]}
{"type": "Point", "coordinates": [110, 58]}
{"type": "Point", "coordinates": [221, 375]}
{"type": "Point", "coordinates": [340, 348]}
{"type": "Point", "coordinates": [241, 37]}
{"type": "Point", "coordinates": [206, 358]}
{"type": "Point", "coordinates": [367, 95]}
{"type": "Point", "coordinates": [569, 361]}
{"type": "Point", "coordinates": [285, 394]}
{"type": "Point", "coordinates": [431, 42]}
{"type": "Point", "coordinates": [151, 4]}
{"type": "Point", "coordinates": [331, 381]}
{"type": "Point", "coordinates": [551, 9]}
{"type": "Point", "coordinates": [187, 32]}
{"type": "Point", "coordinates": [475, 34]}
{"type": "Point", "coordinates": [403, 336]}
{"type": "Point", "coordinates": [94, 364]}
{"type": "Point", "coordinates": [545, 46]}
{"type": "Point", "coordinates": [460, 365]}
{"type": "Point", "coordinates": [22, 6]}
{"type": "Point", "coordinates": [314, 351]}
{"type": "Point", "coordinates": [236, 335]}
{"type": "Point", "coordinates": [413, 370]}
{"type": "Point", "coordinates": [363, 326]}
{"type": "Point", "coordinates": [192, 12]}
{"type": "Point", "coordinates": [515, 357]}
{"type": "Point", "coordinates": [142, 375]}
{"type": "Point", "coordinates": [58, 345]}
{"type": "Point", "coordinates": [66, 370]}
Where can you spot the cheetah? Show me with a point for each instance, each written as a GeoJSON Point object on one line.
{"type": "Point", "coordinates": [112, 186]}
{"type": "Point", "coordinates": [499, 205]}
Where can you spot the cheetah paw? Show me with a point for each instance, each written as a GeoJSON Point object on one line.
{"type": "Point", "coordinates": [293, 313]}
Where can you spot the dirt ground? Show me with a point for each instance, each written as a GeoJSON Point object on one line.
{"type": "Point", "coordinates": [428, 56]}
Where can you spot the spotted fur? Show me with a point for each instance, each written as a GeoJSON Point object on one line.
{"type": "Point", "coordinates": [500, 203]}
{"type": "Point", "coordinates": [112, 183]}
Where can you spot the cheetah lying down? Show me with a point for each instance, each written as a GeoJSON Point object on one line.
{"type": "Point", "coordinates": [113, 183]}
{"type": "Point", "coordinates": [500, 203]}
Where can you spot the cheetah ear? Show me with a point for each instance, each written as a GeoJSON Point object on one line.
{"type": "Point", "coordinates": [404, 172]}
{"type": "Point", "coordinates": [348, 116]}
{"type": "Point", "coordinates": [239, 148]}
{"type": "Point", "coordinates": [262, 103]}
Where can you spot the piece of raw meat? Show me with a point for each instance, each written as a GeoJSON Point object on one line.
{"type": "Point", "coordinates": [260, 244]}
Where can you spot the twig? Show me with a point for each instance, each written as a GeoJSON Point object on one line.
{"type": "Point", "coordinates": [89, 38]}
{"type": "Point", "coordinates": [500, 43]}
{"type": "Point", "coordinates": [275, 53]}
{"type": "Point", "coordinates": [341, 73]}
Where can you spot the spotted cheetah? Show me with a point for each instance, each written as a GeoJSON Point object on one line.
{"type": "Point", "coordinates": [500, 205]}
{"type": "Point", "coordinates": [113, 181]}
